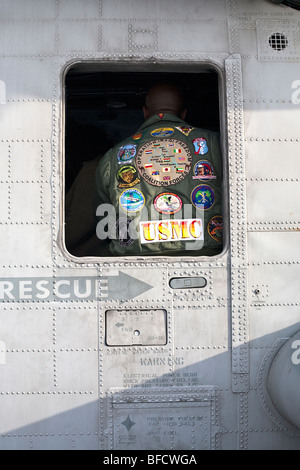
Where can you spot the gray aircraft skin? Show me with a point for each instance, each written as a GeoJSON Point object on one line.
{"type": "Point", "coordinates": [153, 353]}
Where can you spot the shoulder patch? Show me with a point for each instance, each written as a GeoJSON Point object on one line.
{"type": "Point", "coordinates": [203, 170]}
{"type": "Point", "coordinates": [203, 195]}
{"type": "Point", "coordinates": [185, 129]}
{"type": "Point", "coordinates": [162, 132]}
{"type": "Point", "coordinates": [127, 177]}
{"type": "Point", "coordinates": [200, 144]}
{"type": "Point", "coordinates": [131, 200]}
{"type": "Point", "coordinates": [215, 228]}
{"type": "Point", "coordinates": [126, 153]}
{"type": "Point", "coordinates": [167, 203]}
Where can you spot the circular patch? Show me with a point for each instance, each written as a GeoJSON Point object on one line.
{"type": "Point", "coordinates": [203, 195]}
{"type": "Point", "coordinates": [126, 153]}
{"type": "Point", "coordinates": [162, 132]}
{"type": "Point", "coordinates": [131, 200]}
{"type": "Point", "coordinates": [127, 177]}
{"type": "Point", "coordinates": [122, 227]}
{"type": "Point", "coordinates": [203, 170]}
{"type": "Point", "coordinates": [215, 228]}
{"type": "Point", "coordinates": [167, 203]}
{"type": "Point", "coordinates": [164, 162]}
{"type": "Point", "coordinates": [200, 145]}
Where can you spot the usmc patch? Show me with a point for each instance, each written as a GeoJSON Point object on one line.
{"type": "Point", "coordinates": [154, 231]}
{"type": "Point", "coordinates": [164, 162]}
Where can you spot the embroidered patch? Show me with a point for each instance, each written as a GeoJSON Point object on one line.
{"type": "Point", "coordinates": [215, 228]}
{"type": "Point", "coordinates": [167, 203]}
{"type": "Point", "coordinates": [185, 129]}
{"type": "Point", "coordinates": [203, 170]}
{"type": "Point", "coordinates": [137, 136]}
{"type": "Point", "coordinates": [122, 227]}
{"type": "Point", "coordinates": [200, 145]}
{"type": "Point", "coordinates": [162, 132]}
{"type": "Point", "coordinates": [171, 230]}
{"type": "Point", "coordinates": [159, 165]}
{"type": "Point", "coordinates": [203, 196]}
{"type": "Point", "coordinates": [126, 153]}
{"type": "Point", "coordinates": [127, 177]}
{"type": "Point", "coordinates": [131, 200]}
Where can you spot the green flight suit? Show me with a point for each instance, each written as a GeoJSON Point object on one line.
{"type": "Point", "coordinates": [157, 180]}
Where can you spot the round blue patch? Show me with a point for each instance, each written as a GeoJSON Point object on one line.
{"type": "Point", "coordinates": [132, 200]}
{"type": "Point", "coordinates": [203, 195]}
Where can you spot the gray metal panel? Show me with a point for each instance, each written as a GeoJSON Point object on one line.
{"type": "Point", "coordinates": [187, 282]}
{"type": "Point", "coordinates": [165, 419]}
{"type": "Point", "coordinates": [238, 226]}
{"type": "Point", "coordinates": [286, 47]}
{"type": "Point", "coordinates": [283, 381]}
{"type": "Point", "coordinates": [136, 327]}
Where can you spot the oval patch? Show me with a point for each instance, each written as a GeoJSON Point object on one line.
{"type": "Point", "coordinates": [215, 228]}
{"type": "Point", "coordinates": [164, 162]}
{"type": "Point", "coordinates": [203, 195]}
{"type": "Point", "coordinates": [162, 132]}
{"type": "Point", "coordinates": [131, 200]}
{"type": "Point", "coordinates": [167, 203]}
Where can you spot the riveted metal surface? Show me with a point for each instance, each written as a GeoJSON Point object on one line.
{"type": "Point", "coordinates": [62, 385]}
{"type": "Point", "coordinates": [283, 381]}
{"type": "Point", "coordinates": [136, 327]}
{"type": "Point", "coordinates": [156, 420]}
{"type": "Point", "coordinates": [287, 49]}
{"type": "Point", "coordinates": [238, 227]}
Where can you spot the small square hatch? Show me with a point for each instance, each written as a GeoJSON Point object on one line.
{"type": "Point", "coordinates": [136, 327]}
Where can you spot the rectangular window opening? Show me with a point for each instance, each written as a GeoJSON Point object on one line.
{"type": "Point", "coordinates": [103, 107]}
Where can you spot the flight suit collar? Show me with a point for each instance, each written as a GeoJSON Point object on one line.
{"type": "Point", "coordinates": [156, 118]}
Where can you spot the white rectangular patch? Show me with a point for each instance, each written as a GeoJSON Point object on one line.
{"type": "Point", "coordinates": [171, 230]}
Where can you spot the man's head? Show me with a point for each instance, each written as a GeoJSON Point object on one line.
{"type": "Point", "coordinates": [164, 98]}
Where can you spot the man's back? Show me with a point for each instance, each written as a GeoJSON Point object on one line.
{"type": "Point", "coordinates": [164, 183]}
